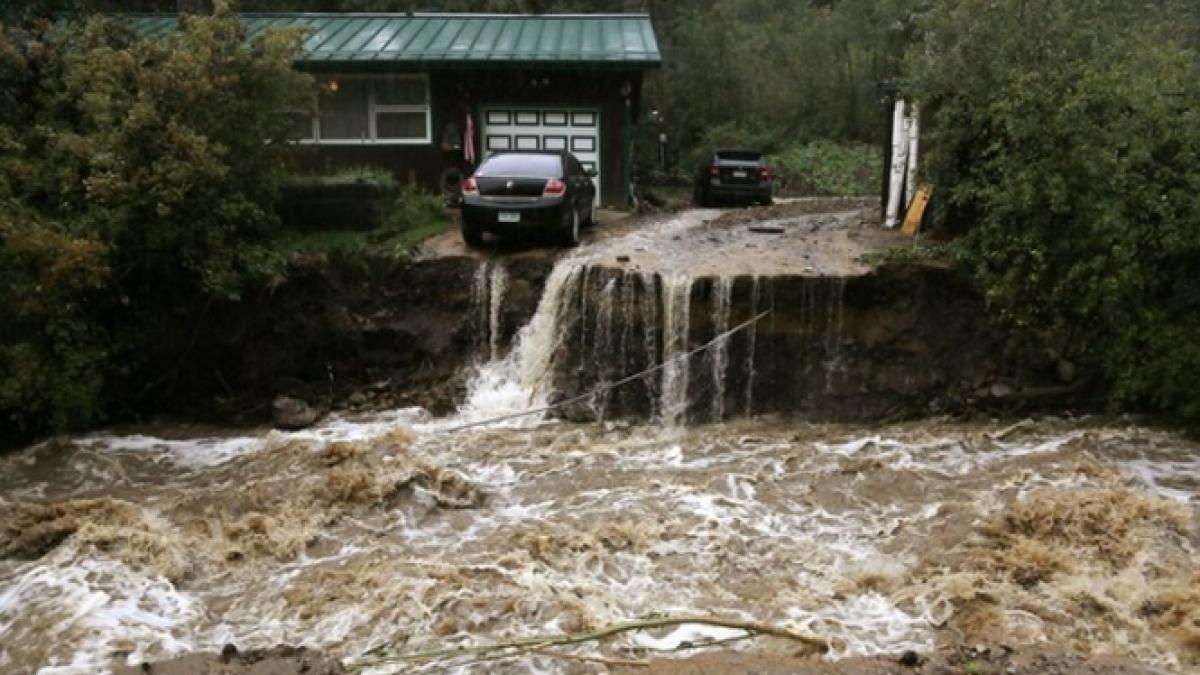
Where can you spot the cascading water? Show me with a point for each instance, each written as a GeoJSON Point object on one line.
{"type": "Point", "coordinates": [487, 299]}
{"type": "Point", "coordinates": [497, 285]}
{"type": "Point", "coordinates": [605, 365]}
{"type": "Point", "coordinates": [752, 337]}
{"type": "Point", "coordinates": [722, 304]}
{"type": "Point", "coordinates": [523, 380]}
{"type": "Point", "coordinates": [599, 322]}
{"type": "Point", "coordinates": [833, 331]}
{"type": "Point", "coordinates": [677, 291]}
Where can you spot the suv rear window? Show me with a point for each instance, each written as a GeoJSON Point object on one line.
{"type": "Point", "coordinates": [521, 166]}
{"type": "Point", "coordinates": [739, 155]}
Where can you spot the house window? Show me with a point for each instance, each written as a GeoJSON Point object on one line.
{"type": "Point", "coordinates": [342, 110]}
{"type": "Point", "coordinates": [361, 109]}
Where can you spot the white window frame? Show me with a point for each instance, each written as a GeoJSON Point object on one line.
{"type": "Point", "coordinates": [373, 110]}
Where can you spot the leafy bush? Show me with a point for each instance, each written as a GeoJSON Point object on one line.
{"type": "Point", "coordinates": [139, 180]}
{"type": "Point", "coordinates": [828, 168]}
{"type": "Point", "coordinates": [415, 208]}
{"type": "Point", "coordinates": [1067, 144]}
{"type": "Point", "coordinates": [52, 352]}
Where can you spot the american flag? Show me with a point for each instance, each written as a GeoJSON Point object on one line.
{"type": "Point", "coordinates": [469, 139]}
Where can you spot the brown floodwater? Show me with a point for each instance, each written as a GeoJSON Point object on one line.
{"type": "Point", "coordinates": [392, 532]}
{"type": "Point", "coordinates": [388, 529]}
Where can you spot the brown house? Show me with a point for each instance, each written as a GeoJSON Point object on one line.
{"type": "Point", "coordinates": [401, 91]}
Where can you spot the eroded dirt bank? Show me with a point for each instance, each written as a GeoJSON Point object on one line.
{"type": "Point", "coordinates": [344, 334]}
{"type": "Point", "coordinates": [843, 338]}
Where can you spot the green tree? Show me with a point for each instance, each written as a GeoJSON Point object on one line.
{"type": "Point", "coordinates": [138, 178]}
{"type": "Point", "coordinates": [1066, 140]}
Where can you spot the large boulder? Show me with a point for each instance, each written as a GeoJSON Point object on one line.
{"type": "Point", "coordinates": [293, 413]}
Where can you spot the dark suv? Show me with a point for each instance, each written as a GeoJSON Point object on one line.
{"type": "Point", "coordinates": [740, 175]}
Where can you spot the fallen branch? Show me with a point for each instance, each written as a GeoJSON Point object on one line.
{"type": "Point", "coordinates": [542, 641]}
{"type": "Point", "coordinates": [592, 659]}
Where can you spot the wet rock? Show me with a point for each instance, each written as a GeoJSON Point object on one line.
{"type": "Point", "coordinates": [357, 398]}
{"type": "Point", "coordinates": [293, 413]}
{"type": "Point", "coordinates": [1001, 390]}
{"type": "Point", "coordinates": [449, 489]}
{"type": "Point", "coordinates": [1065, 370]}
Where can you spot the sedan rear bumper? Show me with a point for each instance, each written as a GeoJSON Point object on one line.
{"type": "Point", "coordinates": [759, 191]}
{"type": "Point", "coordinates": [542, 216]}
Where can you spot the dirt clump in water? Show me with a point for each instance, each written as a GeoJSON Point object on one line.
{"type": "Point", "coordinates": [1112, 524]}
{"type": "Point", "coordinates": [110, 526]}
{"type": "Point", "coordinates": [303, 487]}
{"type": "Point", "coordinates": [1175, 609]}
{"type": "Point", "coordinates": [277, 661]}
{"type": "Point", "coordinates": [1121, 558]}
{"type": "Point", "coordinates": [558, 545]}
{"type": "Point", "coordinates": [273, 504]}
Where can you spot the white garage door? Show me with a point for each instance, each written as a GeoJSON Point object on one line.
{"type": "Point", "coordinates": [573, 129]}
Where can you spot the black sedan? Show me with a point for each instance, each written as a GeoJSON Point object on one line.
{"type": "Point", "coordinates": [528, 194]}
{"type": "Point", "coordinates": [740, 175]}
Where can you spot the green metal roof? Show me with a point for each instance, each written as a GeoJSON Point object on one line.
{"type": "Point", "coordinates": [618, 39]}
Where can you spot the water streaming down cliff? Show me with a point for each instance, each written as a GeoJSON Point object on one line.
{"type": "Point", "coordinates": [597, 324]}
{"type": "Point", "coordinates": [487, 298]}
{"type": "Point", "coordinates": [677, 302]}
{"type": "Point", "coordinates": [722, 306]}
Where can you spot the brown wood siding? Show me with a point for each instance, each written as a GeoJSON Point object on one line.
{"type": "Point", "coordinates": [453, 91]}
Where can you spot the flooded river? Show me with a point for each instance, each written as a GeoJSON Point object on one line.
{"type": "Point", "coordinates": [385, 530]}
{"type": "Point", "coordinates": [394, 530]}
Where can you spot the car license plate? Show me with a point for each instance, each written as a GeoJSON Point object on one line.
{"type": "Point", "coordinates": [509, 217]}
{"type": "Point", "coordinates": [739, 174]}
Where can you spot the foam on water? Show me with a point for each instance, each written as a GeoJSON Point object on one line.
{"type": "Point", "coordinates": [871, 539]}
{"type": "Point", "coordinates": [71, 614]}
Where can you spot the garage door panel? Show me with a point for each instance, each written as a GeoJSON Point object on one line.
{"type": "Point", "coordinates": [552, 129]}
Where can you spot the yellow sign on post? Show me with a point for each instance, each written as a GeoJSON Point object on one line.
{"type": "Point", "coordinates": [916, 211]}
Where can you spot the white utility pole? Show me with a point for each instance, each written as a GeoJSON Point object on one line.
{"type": "Point", "coordinates": [898, 166]}
{"type": "Point", "coordinates": [914, 146]}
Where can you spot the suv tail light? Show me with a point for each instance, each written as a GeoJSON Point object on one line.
{"type": "Point", "coordinates": [764, 173]}
{"type": "Point", "coordinates": [469, 187]}
{"type": "Point", "coordinates": [714, 171]}
{"type": "Point", "coordinates": [554, 187]}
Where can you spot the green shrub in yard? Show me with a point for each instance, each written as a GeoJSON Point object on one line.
{"type": "Point", "coordinates": [828, 168]}
{"type": "Point", "coordinates": [416, 209]}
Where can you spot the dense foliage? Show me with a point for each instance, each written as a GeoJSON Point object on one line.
{"type": "Point", "coordinates": [134, 185]}
{"type": "Point", "coordinates": [1067, 148]}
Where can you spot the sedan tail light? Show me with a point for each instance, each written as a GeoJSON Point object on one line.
{"type": "Point", "coordinates": [469, 187]}
{"type": "Point", "coordinates": [554, 187]}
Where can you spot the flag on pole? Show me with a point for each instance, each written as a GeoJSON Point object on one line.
{"type": "Point", "coordinates": [469, 139]}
